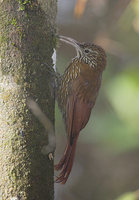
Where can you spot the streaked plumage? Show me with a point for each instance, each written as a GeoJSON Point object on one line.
{"type": "Point", "coordinates": [77, 93]}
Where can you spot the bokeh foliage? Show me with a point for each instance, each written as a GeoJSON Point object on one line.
{"type": "Point", "coordinates": [114, 123]}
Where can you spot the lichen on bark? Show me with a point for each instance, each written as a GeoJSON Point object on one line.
{"type": "Point", "coordinates": [27, 39]}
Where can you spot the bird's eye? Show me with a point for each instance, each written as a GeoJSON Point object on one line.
{"type": "Point", "coordinates": [86, 51]}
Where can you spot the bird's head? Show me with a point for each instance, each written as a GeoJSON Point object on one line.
{"type": "Point", "coordinates": [91, 54]}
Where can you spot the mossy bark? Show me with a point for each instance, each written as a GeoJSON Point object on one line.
{"type": "Point", "coordinates": [27, 39]}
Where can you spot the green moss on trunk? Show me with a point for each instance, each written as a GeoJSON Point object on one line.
{"type": "Point", "coordinates": [27, 39]}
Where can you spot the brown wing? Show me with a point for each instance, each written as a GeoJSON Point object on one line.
{"type": "Point", "coordinates": [79, 104]}
{"type": "Point", "coordinates": [77, 96]}
{"type": "Point", "coordinates": [79, 92]}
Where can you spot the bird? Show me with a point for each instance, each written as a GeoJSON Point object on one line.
{"type": "Point", "coordinates": [76, 95]}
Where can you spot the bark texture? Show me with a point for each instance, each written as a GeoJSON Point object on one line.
{"type": "Point", "coordinates": [27, 39]}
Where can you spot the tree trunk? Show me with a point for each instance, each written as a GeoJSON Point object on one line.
{"type": "Point", "coordinates": [27, 39]}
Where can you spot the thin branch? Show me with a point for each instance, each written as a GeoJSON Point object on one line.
{"type": "Point", "coordinates": [50, 148]}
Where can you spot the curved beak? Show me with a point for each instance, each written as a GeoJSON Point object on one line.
{"type": "Point", "coordinates": [72, 42]}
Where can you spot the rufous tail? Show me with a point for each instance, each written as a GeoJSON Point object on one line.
{"type": "Point", "coordinates": [65, 164]}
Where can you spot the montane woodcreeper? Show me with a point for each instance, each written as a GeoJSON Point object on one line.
{"type": "Point", "coordinates": [76, 95]}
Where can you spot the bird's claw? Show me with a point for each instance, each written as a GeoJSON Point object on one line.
{"type": "Point", "coordinates": [50, 156]}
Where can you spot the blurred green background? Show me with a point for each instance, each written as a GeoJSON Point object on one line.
{"type": "Point", "coordinates": [106, 164]}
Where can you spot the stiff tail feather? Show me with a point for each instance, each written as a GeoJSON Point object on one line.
{"type": "Point", "coordinates": [65, 164]}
